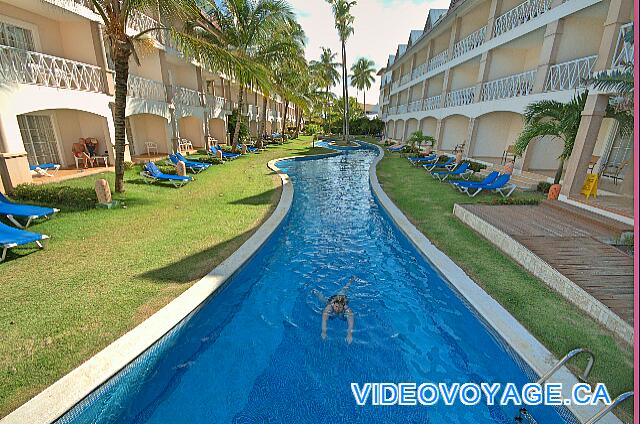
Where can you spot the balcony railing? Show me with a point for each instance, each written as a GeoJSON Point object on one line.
{"type": "Point", "coordinates": [524, 12]}
{"type": "Point", "coordinates": [144, 88]}
{"type": "Point", "coordinates": [470, 42]}
{"type": "Point", "coordinates": [431, 103]}
{"type": "Point", "coordinates": [405, 79]}
{"type": "Point", "coordinates": [511, 86]}
{"type": "Point", "coordinates": [27, 67]}
{"type": "Point", "coordinates": [415, 106]}
{"type": "Point", "coordinates": [437, 60]}
{"type": "Point", "coordinates": [624, 49]}
{"type": "Point", "coordinates": [395, 85]}
{"type": "Point", "coordinates": [419, 71]}
{"type": "Point", "coordinates": [402, 109]}
{"type": "Point", "coordinates": [393, 110]}
{"type": "Point", "coordinates": [215, 102]}
{"type": "Point", "coordinates": [385, 100]}
{"type": "Point", "coordinates": [461, 97]}
{"type": "Point", "coordinates": [139, 22]}
{"type": "Point", "coordinates": [71, 4]}
{"type": "Point", "coordinates": [186, 96]}
{"type": "Point", "coordinates": [570, 75]}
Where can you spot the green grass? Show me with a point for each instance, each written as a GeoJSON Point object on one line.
{"type": "Point", "coordinates": [105, 271]}
{"type": "Point", "coordinates": [549, 317]}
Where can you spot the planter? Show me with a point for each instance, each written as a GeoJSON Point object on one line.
{"type": "Point", "coordinates": [554, 192]}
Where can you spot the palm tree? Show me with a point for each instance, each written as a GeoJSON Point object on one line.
{"type": "Point", "coordinates": [240, 37]}
{"type": "Point", "coordinates": [362, 77]}
{"type": "Point", "coordinates": [116, 16]}
{"type": "Point", "coordinates": [327, 71]}
{"type": "Point", "coordinates": [344, 24]}
{"type": "Point", "coordinates": [561, 122]}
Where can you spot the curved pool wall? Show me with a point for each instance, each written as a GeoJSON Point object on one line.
{"type": "Point", "coordinates": [253, 352]}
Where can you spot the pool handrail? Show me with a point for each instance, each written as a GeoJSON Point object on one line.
{"type": "Point", "coordinates": [567, 358]}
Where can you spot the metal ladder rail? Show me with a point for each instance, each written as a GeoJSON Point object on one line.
{"type": "Point", "coordinates": [565, 359]}
{"type": "Point", "coordinates": [621, 398]}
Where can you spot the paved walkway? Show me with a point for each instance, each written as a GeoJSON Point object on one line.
{"type": "Point", "coordinates": [575, 243]}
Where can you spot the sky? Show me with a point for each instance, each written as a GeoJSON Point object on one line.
{"type": "Point", "coordinates": [380, 25]}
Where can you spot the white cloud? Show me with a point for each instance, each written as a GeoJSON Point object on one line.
{"type": "Point", "coordinates": [380, 25]}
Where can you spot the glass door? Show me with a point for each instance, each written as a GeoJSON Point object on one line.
{"type": "Point", "coordinates": [39, 139]}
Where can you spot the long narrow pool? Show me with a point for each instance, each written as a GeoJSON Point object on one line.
{"type": "Point", "coordinates": [253, 353]}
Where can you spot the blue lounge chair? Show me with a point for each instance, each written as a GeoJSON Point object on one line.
{"type": "Point", "coordinates": [500, 185]}
{"type": "Point", "coordinates": [151, 173]}
{"type": "Point", "coordinates": [461, 185]}
{"type": "Point", "coordinates": [251, 149]}
{"type": "Point", "coordinates": [194, 167]}
{"type": "Point", "coordinates": [449, 165]}
{"type": "Point", "coordinates": [225, 155]}
{"type": "Point", "coordinates": [29, 212]}
{"type": "Point", "coordinates": [462, 171]}
{"type": "Point", "coordinates": [12, 237]}
{"type": "Point", "coordinates": [415, 160]}
{"type": "Point", "coordinates": [396, 149]}
{"type": "Point", "coordinates": [180, 156]}
{"type": "Point", "coordinates": [45, 166]}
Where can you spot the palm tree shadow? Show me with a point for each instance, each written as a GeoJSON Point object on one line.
{"type": "Point", "coordinates": [263, 198]}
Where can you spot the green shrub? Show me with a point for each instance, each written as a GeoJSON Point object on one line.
{"type": "Point", "coordinates": [56, 196]}
{"type": "Point", "coordinates": [311, 129]}
{"type": "Point", "coordinates": [167, 169]}
{"type": "Point", "coordinates": [543, 187]}
{"type": "Point", "coordinates": [512, 201]}
{"type": "Point", "coordinates": [128, 166]}
{"type": "Point", "coordinates": [476, 166]}
{"type": "Point", "coordinates": [207, 159]}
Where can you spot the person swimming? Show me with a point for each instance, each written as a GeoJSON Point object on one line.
{"type": "Point", "coordinates": [337, 306]}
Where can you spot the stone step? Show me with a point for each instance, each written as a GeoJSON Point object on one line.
{"type": "Point", "coordinates": [576, 214]}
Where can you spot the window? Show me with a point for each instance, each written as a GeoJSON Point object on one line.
{"type": "Point", "coordinates": [15, 36]}
{"type": "Point", "coordinates": [618, 154]}
{"type": "Point", "coordinates": [38, 138]}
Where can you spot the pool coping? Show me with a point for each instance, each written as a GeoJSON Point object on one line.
{"type": "Point", "coordinates": [538, 357]}
{"type": "Point", "coordinates": [61, 396]}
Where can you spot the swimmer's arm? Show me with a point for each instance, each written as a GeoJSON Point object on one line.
{"type": "Point", "coordinates": [349, 314]}
{"type": "Point", "coordinates": [325, 317]}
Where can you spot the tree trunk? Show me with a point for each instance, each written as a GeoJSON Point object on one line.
{"type": "Point", "coordinates": [236, 130]}
{"type": "Point", "coordinates": [346, 93]}
{"type": "Point", "coordinates": [364, 102]}
{"type": "Point", "coordinates": [284, 117]}
{"type": "Point", "coordinates": [298, 121]}
{"type": "Point", "coordinates": [263, 121]}
{"type": "Point", "coordinates": [558, 176]}
{"type": "Point", "coordinates": [121, 64]}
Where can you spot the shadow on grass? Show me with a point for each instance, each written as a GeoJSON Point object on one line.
{"type": "Point", "coordinates": [197, 265]}
{"type": "Point", "coordinates": [263, 198]}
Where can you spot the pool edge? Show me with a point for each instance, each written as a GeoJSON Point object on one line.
{"type": "Point", "coordinates": [61, 396]}
{"type": "Point", "coordinates": [532, 351]}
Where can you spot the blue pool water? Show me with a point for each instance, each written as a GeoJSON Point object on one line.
{"type": "Point", "coordinates": [253, 352]}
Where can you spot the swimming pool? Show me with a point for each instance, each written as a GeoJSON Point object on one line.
{"type": "Point", "coordinates": [253, 352]}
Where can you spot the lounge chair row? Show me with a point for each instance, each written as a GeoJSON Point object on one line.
{"type": "Point", "coordinates": [494, 181]}
{"type": "Point", "coordinates": [15, 212]}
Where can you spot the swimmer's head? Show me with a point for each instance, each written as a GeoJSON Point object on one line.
{"type": "Point", "coordinates": [339, 303]}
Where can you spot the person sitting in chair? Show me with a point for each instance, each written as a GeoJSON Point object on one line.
{"type": "Point", "coordinates": [79, 150]}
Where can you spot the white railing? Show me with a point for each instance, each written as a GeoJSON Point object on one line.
{"type": "Point", "coordinates": [214, 102]}
{"type": "Point", "coordinates": [470, 42]}
{"type": "Point", "coordinates": [405, 79]}
{"type": "Point", "coordinates": [144, 88]}
{"type": "Point", "coordinates": [72, 4]}
{"type": "Point", "coordinates": [511, 86]}
{"type": "Point", "coordinates": [624, 49]}
{"type": "Point", "coordinates": [27, 67]}
{"type": "Point", "coordinates": [419, 71]}
{"type": "Point", "coordinates": [437, 60]}
{"type": "Point", "coordinates": [139, 22]}
{"type": "Point", "coordinates": [461, 97]}
{"type": "Point", "coordinates": [402, 109]}
{"type": "Point", "coordinates": [395, 85]}
{"type": "Point", "coordinates": [431, 103]}
{"type": "Point", "coordinates": [385, 100]}
{"type": "Point", "coordinates": [393, 110]}
{"type": "Point", "coordinates": [570, 75]}
{"type": "Point", "coordinates": [520, 14]}
{"type": "Point", "coordinates": [415, 106]}
{"type": "Point", "coordinates": [186, 96]}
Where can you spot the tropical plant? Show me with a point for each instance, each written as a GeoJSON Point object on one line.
{"type": "Point", "coordinates": [344, 24]}
{"type": "Point", "coordinates": [117, 16]}
{"type": "Point", "coordinates": [560, 121]}
{"type": "Point", "coordinates": [326, 72]}
{"type": "Point", "coordinates": [362, 77]}
{"type": "Point", "coordinates": [241, 38]}
{"type": "Point", "coordinates": [418, 138]}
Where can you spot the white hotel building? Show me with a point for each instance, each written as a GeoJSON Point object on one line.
{"type": "Point", "coordinates": [468, 75]}
{"type": "Point", "coordinates": [56, 86]}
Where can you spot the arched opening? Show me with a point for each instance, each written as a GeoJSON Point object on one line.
{"type": "Point", "coordinates": [191, 128]}
{"type": "Point", "coordinates": [412, 126]}
{"type": "Point", "coordinates": [454, 132]}
{"type": "Point", "coordinates": [389, 129]}
{"type": "Point", "coordinates": [218, 130]}
{"type": "Point", "coordinates": [428, 126]}
{"type": "Point", "coordinates": [493, 134]}
{"type": "Point", "coordinates": [149, 136]}
{"type": "Point", "coordinates": [398, 130]}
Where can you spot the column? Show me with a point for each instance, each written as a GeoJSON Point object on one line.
{"type": "Point", "coordinates": [108, 81]}
{"type": "Point", "coordinates": [620, 12]}
{"type": "Point", "coordinates": [471, 138]}
{"type": "Point", "coordinates": [483, 74]}
{"type": "Point", "coordinates": [14, 165]}
{"type": "Point", "coordinates": [548, 53]}
{"type": "Point", "coordinates": [494, 10]}
{"type": "Point", "coordinates": [172, 125]}
{"type": "Point", "coordinates": [577, 165]}
{"type": "Point", "coordinates": [446, 85]}
{"type": "Point", "coordinates": [438, 135]}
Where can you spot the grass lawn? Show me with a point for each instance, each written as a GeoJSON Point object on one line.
{"type": "Point", "coordinates": [549, 317]}
{"type": "Point", "coordinates": [105, 271]}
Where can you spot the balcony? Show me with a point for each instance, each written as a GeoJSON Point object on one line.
{"type": "Point", "coordinates": [27, 67]}
{"type": "Point", "coordinates": [438, 60]}
{"type": "Point", "coordinates": [419, 71]}
{"type": "Point", "coordinates": [186, 96]}
{"type": "Point", "coordinates": [624, 49]}
{"type": "Point", "coordinates": [524, 12]}
{"type": "Point", "coordinates": [461, 97]}
{"type": "Point", "coordinates": [393, 110]}
{"type": "Point", "coordinates": [405, 79]}
{"type": "Point", "coordinates": [431, 103]}
{"type": "Point", "coordinates": [402, 109]}
{"type": "Point", "coordinates": [511, 86]}
{"type": "Point", "coordinates": [470, 42]}
{"type": "Point", "coordinates": [570, 75]}
{"type": "Point", "coordinates": [415, 106]}
{"type": "Point", "coordinates": [215, 102]}
{"type": "Point", "coordinates": [143, 88]}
